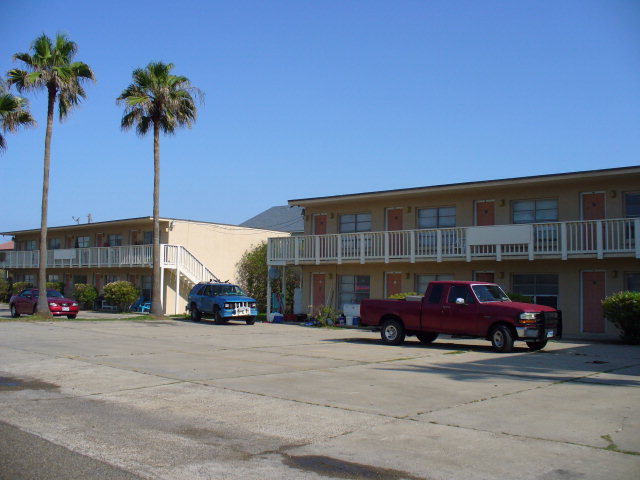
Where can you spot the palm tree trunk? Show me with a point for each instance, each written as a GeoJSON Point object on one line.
{"type": "Point", "coordinates": [43, 304]}
{"type": "Point", "coordinates": [157, 308]}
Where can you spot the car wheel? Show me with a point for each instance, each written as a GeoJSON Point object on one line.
{"type": "Point", "coordinates": [14, 312]}
{"type": "Point", "coordinates": [251, 320]}
{"type": "Point", "coordinates": [71, 317]}
{"type": "Point", "coordinates": [217, 318]}
{"type": "Point", "coordinates": [196, 315]}
{"type": "Point", "coordinates": [537, 345]}
{"type": "Point", "coordinates": [426, 337]}
{"type": "Point", "coordinates": [392, 332]}
{"type": "Point", "coordinates": [502, 339]}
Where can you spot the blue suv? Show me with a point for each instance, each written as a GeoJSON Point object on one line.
{"type": "Point", "coordinates": [222, 301]}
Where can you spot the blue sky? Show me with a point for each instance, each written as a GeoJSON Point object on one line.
{"type": "Point", "coordinates": [315, 98]}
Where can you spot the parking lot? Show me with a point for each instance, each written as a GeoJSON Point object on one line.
{"type": "Point", "coordinates": [173, 399]}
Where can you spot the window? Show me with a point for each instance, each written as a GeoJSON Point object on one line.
{"type": "Point", "coordinates": [441, 217]}
{"type": "Point", "coordinates": [82, 242]}
{"type": "Point", "coordinates": [30, 245]}
{"type": "Point", "coordinates": [535, 211]}
{"type": "Point", "coordinates": [460, 291]}
{"type": "Point", "coordinates": [422, 281]}
{"type": "Point", "coordinates": [53, 278]}
{"type": "Point", "coordinates": [148, 238]}
{"type": "Point", "coordinates": [54, 243]}
{"type": "Point", "coordinates": [436, 293]}
{"type": "Point", "coordinates": [115, 240]}
{"type": "Point", "coordinates": [79, 279]}
{"type": "Point", "coordinates": [30, 278]}
{"type": "Point", "coordinates": [110, 278]}
{"type": "Point", "coordinates": [632, 205]}
{"type": "Point", "coordinates": [353, 288]}
{"type": "Point", "coordinates": [542, 288]}
{"type": "Point", "coordinates": [147, 281]}
{"type": "Point", "coordinates": [359, 222]}
{"type": "Point", "coordinates": [632, 282]}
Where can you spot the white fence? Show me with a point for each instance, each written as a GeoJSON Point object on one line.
{"type": "Point", "coordinates": [597, 238]}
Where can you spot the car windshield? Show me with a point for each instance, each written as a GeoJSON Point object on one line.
{"type": "Point", "coordinates": [227, 290]}
{"type": "Point", "coordinates": [50, 294]}
{"type": "Point", "coordinates": [490, 293]}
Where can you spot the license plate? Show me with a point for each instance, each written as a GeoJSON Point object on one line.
{"type": "Point", "coordinates": [242, 311]}
{"type": "Point", "coordinates": [65, 309]}
{"type": "Point", "coordinates": [550, 333]}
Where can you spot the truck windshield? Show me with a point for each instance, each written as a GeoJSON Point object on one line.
{"type": "Point", "coordinates": [489, 293]}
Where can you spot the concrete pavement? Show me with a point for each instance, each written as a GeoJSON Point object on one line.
{"type": "Point", "coordinates": [174, 399]}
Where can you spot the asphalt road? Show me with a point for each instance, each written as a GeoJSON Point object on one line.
{"type": "Point", "coordinates": [174, 399]}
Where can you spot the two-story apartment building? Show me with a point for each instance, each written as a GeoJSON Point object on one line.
{"type": "Point", "coordinates": [567, 240]}
{"type": "Point", "coordinates": [103, 252]}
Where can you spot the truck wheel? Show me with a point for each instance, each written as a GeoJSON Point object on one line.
{"type": "Point", "coordinates": [426, 337]}
{"type": "Point", "coordinates": [502, 339]}
{"type": "Point", "coordinates": [537, 345]}
{"type": "Point", "coordinates": [14, 312]}
{"type": "Point", "coordinates": [196, 315]}
{"type": "Point", "coordinates": [392, 332]}
{"type": "Point", "coordinates": [251, 320]}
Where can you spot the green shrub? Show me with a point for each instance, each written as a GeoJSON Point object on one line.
{"type": "Point", "coordinates": [122, 294]}
{"type": "Point", "coordinates": [403, 296]}
{"type": "Point", "coordinates": [5, 290]}
{"type": "Point", "coordinates": [19, 286]}
{"type": "Point", "coordinates": [623, 310]}
{"type": "Point", "coordinates": [518, 297]}
{"type": "Point", "coordinates": [58, 286]}
{"type": "Point", "coordinates": [85, 294]}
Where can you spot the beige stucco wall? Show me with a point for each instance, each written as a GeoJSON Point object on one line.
{"type": "Point", "coordinates": [567, 192]}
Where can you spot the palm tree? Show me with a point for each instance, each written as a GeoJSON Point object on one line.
{"type": "Point", "coordinates": [14, 113]}
{"type": "Point", "coordinates": [160, 100]}
{"type": "Point", "coordinates": [50, 66]}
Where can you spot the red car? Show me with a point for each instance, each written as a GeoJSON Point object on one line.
{"type": "Point", "coordinates": [25, 303]}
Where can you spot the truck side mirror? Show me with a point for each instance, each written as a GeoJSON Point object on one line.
{"type": "Point", "coordinates": [460, 301]}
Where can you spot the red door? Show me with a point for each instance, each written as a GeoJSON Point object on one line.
{"type": "Point", "coordinates": [99, 239]}
{"type": "Point", "coordinates": [319, 290]}
{"type": "Point", "coordinates": [592, 209]}
{"type": "Point", "coordinates": [593, 291]}
{"type": "Point", "coordinates": [395, 223]}
{"type": "Point", "coordinates": [320, 228]}
{"type": "Point", "coordinates": [592, 206]}
{"type": "Point", "coordinates": [394, 283]}
{"type": "Point", "coordinates": [485, 213]}
{"type": "Point", "coordinates": [485, 277]}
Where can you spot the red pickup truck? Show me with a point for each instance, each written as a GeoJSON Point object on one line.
{"type": "Point", "coordinates": [469, 309]}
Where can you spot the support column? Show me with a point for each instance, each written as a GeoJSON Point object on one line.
{"type": "Point", "coordinates": [162, 287]}
{"type": "Point", "coordinates": [177, 280]}
{"type": "Point", "coordinates": [284, 289]}
{"type": "Point", "coordinates": [268, 296]}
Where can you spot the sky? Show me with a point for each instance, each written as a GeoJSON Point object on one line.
{"type": "Point", "coordinates": [326, 97]}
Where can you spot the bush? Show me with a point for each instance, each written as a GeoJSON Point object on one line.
{"type": "Point", "coordinates": [122, 294]}
{"type": "Point", "coordinates": [623, 310]}
{"type": "Point", "coordinates": [19, 286]}
{"type": "Point", "coordinates": [518, 297]}
{"type": "Point", "coordinates": [85, 294]}
{"type": "Point", "coordinates": [5, 290]}
{"type": "Point", "coordinates": [58, 286]}
{"type": "Point", "coordinates": [403, 296]}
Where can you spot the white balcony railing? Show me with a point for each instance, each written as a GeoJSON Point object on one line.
{"type": "Point", "coordinates": [597, 238]}
{"type": "Point", "coordinates": [172, 256]}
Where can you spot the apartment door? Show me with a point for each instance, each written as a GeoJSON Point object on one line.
{"type": "Point", "coordinates": [99, 239]}
{"type": "Point", "coordinates": [485, 277]}
{"type": "Point", "coordinates": [395, 223]}
{"type": "Point", "coordinates": [319, 290]}
{"type": "Point", "coordinates": [393, 283]}
{"type": "Point", "coordinates": [320, 228]}
{"type": "Point", "coordinates": [592, 209]}
{"type": "Point", "coordinates": [593, 291]}
{"type": "Point", "coordinates": [485, 213]}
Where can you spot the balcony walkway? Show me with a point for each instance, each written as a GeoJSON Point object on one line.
{"type": "Point", "coordinates": [561, 240]}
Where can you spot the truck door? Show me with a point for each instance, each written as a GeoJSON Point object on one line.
{"type": "Point", "coordinates": [461, 319]}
